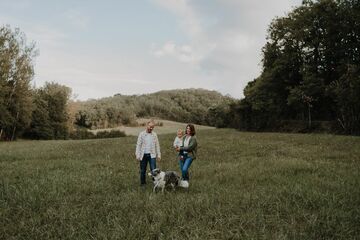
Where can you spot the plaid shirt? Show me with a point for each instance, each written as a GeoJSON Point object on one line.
{"type": "Point", "coordinates": [140, 146]}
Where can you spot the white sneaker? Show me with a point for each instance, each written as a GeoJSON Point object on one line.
{"type": "Point", "coordinates": [184, 184]}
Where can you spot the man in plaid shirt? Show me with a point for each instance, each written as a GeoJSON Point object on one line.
{"type": "Point", "coordinates": [147, 150]}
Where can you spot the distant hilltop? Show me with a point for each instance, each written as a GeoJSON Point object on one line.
{"type": "Point", "coordinates": [175, 91]}
{"type": "Point", "coordinates": [183, 105]}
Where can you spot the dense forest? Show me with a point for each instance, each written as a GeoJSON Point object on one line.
{"type": "Point", "coordinates": [310, 81]}
{"type": "Point", "coordinates": [310, 77]}
{"type": "Point", "coordinates": [184, 105]}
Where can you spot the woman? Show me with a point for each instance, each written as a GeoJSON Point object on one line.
{"type": "Point", "coordinates": [187, 152]}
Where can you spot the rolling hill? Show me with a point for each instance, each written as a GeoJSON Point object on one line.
{"type": "Point", "coordinates": [180, 105]}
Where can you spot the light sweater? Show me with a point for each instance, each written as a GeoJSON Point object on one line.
{"type": "Point", "coordinates": [141, 144]}
{"type": "Point", "coordinates": [177, 142]}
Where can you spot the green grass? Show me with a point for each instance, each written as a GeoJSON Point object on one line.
{"type": "Point", "coordinates": [242, 186]}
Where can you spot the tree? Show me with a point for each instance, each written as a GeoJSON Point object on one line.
{"type": "Point", "coordinates": [347, 96]}
{"type": "Point", "coordinates": [183, 105]}
{"type": "Point", "coordinates": [16, 73]}
{"type": "Point", "coordinates": [50, 114]}
{"type": "Point", "coordinates": [40, 127]}
{"type": "Point", "coordinates": [57, 97]}
{"type": "Point", "coordinates": [310, 67]}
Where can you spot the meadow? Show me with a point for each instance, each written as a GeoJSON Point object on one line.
{"type": "Point", "coordinates": [242, 186]}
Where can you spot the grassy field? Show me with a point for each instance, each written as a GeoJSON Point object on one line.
{"type": "Point", "coordinates": [242, 186]}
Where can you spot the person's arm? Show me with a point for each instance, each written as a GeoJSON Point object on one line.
{"type": "Point", "coordinates": [138, 147]}
{"type": "Point", "coordinates": [157, 147]}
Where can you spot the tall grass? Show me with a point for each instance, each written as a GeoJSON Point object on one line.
{"type": "Point", "coordinates": [242, 186]}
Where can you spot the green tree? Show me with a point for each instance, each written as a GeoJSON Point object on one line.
{"type": "Point", "coordinates": [346, 91]}
{"type": "Point", "coordinates": [16, 73]}
{"type": "Point", "coordinates": [185, 105]}
{"type": "Point", "coordinates": [57, 97]}
{"type": "Point", "coordinates": [40, 127]}
{"type": "Point", "coordinates": [50, 115]}
{"type": "Point", "coordinates": [310, 62]}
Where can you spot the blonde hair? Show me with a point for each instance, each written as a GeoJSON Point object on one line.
{"type": "Point", "coordinates": [151, 120]}
{"type": "Point", "coordinates": [180, 131]}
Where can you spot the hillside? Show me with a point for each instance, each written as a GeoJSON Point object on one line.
{"type": "Point", "coordinates": [162, 127]}
{"type": "Point", "coordinates": [181, 105]}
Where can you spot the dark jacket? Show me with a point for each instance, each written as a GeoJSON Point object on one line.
{"type": "Point", "coordinates": [191, 149]}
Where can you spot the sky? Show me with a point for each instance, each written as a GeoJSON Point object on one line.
{"type": "Point", "coordinates": [102, 48]}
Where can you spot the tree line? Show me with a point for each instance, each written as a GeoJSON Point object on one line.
{"type": "Point", "coordinates": [183, 105]}
{"type": "Point", "coordinates": [310, 75]}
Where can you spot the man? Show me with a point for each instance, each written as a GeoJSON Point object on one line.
{"type": "Point", "coordinates": [147, 150]}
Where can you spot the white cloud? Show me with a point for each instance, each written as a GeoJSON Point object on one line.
{"type": "Point", "coordinates": [46, 37]}
{"type": "Point", "coordinates": [183, 53]}
{"type": "Point", "coordinates": [220, 47]}
{"type": "Point", "coordinates": [77, 18]}
{"type": "Point", "coordinates": [17, 5]}
{"type": "Point", "coordinates": [199, 46]}
{"type": "Point", "coordinates": [227, 46]}
{"type": "Point", "coordinates": [90, 76]}
{"type": "Point", "coordinates": [236, 42]}
{"type": "Point", "coordinates": [188, 19]}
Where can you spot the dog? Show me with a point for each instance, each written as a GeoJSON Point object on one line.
{"type": "Point", "coordinates": [164, 179]}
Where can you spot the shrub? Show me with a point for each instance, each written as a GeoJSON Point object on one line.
{"type": "Point", "coordinates": [85, 134]}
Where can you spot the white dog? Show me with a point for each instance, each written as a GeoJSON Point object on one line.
{"type": "Point", "coordinates": [169, 178]}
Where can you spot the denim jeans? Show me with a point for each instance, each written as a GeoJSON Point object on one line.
{"type": "Point", "coordinates": [184, 164]}
{"type": "Point", "coordinates": [143, 164]}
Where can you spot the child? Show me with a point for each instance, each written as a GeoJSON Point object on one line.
{"type": "Point", "coordinates": [178, 142]}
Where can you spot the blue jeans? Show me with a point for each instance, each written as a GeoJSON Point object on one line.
{"type": "Point", "coordinates": [143, 164]}
{"type": "Point", "coordinates": [184, 167]}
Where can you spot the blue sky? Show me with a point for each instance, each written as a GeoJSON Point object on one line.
{"type": "Point", "coordinates": [101, 48]}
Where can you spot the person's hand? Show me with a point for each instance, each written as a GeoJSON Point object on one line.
{"type": "Point", "coordinates": [177, 149]}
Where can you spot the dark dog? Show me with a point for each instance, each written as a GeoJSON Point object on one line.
{"type": "Point", "coordinates": [163, 179]}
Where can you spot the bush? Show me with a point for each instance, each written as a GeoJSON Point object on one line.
{"type": "Point", "coordinates": [85, 134]}
{"type": "Point", "coordinates": [81, 134]}
{"type": "Point", "coordinates": [157, 123]}
{"type": "Point", "coordinates": [110, 134]}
